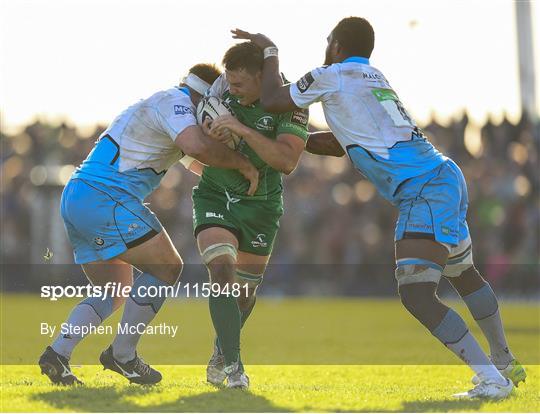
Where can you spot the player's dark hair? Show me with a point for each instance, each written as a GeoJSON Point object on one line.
{"type": "Point", "coordinates": [244, 56]}
{"type": "Point", "coordinates": [355, 36]}
{"type": "Point", "coordinates": [206, 71]}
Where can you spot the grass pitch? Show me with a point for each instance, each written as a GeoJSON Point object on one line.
{"type": "Point", "coordinates": [301, 355]}
{"type": "Point", "coordinates": [274, 388]}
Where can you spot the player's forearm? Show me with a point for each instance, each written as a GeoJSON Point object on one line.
{"type": "Point", "coordinates": [274, 153]}
{"type": "Point", "coordinates": [218, 155]}
{"type": "Point", "coordinates": [324, 143]}
{"type": "Point", "coordinates": [271, 83]}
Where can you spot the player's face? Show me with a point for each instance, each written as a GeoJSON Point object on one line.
{"type": "Point", "coordinates": [244, 85]}
{"type": "Point", "coordinates": [195, 98]}
{"type": "Point", "coordinates": [331, 49]}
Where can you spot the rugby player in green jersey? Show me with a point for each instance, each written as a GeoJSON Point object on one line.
{"type": "Point", "coordinates": [235, 233]}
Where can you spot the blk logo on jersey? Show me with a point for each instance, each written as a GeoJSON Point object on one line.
{"type": "Point", "coordinates": [305, 82]}
{"type": "Point", "coordinates": [210, 214]}
{"type": "Point", "coordinates": [182, 110]}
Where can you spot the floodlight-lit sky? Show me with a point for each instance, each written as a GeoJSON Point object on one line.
{"type": "Point", "coordinates": [85, 61]}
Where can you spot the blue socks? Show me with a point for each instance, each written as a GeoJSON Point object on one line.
{"type": "Point", "coordinates": [139, 310]}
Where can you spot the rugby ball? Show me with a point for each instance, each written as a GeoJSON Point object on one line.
{"type": "Point", "coordinates": [212, 107]}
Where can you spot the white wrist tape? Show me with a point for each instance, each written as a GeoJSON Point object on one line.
{"type": "Point", "coordinates": [186, 161]}
{"type": "Point", "coordinates": [270, 51]}
{"type": "Point", "coordinates": [196, 83]}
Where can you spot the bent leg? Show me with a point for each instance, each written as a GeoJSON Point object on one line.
{"type": "Point", "coordinates": [161, 265]}
{"type": "Point", "coordinates": [419, 268]}
{"type": "Point", "coordinates": [480, 299]}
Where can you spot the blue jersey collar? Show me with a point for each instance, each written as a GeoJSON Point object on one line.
{"type": "Point", "coordinates": [357, 59]}
{"type": "Point", "coordinates": [184, 89]}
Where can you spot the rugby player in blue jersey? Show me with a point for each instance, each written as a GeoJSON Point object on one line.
{"type": "Point", "coordinates": [111, 229]}
{"type": "Point", "coordinates": [369, 123]}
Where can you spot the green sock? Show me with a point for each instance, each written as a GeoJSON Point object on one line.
{"type": "Point", "coordinates": [227, 322]}
{"type": "Point", "coordinates": [244, 315]}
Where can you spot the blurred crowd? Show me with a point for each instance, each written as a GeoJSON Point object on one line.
{"type": "Point", "coordinates": [333, 219]}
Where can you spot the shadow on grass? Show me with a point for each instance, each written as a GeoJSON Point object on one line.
{"type": "Point", "coordinates": [440, 406]}
{"type": "Point", "coordinates": [111, 399]}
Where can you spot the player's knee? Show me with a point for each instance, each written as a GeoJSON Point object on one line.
{"type": "Point", "coordinates": [245, 302]}
{"type": "Point", "coordinates": [174, 270]}
{"type": "Point", "coordinates": [415, 301]}
{"type": "Point", "coordinates": [466, 273]}
{"type": "Point", "coordinates": [420, 299]}
{"type": "Point", "coordinates": [222, 270]}
{"type": "Point", "coordinates": [169, 272]}
{"type": "Point", "coordinates": [220, 258]}
{"type": "Point", "coordinates": [469, 281]}
{"type": "Point", "coordinates": [118, 301]}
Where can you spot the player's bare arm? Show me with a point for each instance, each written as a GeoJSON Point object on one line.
{"type": "Point", "coordinates": [281, 154]}
{"type": "Point", "coordinates": [193, 142]}
{"type": "Point", "coordinates": [275, 96]}
{"type": "Point", "coordinates": [324, 143]}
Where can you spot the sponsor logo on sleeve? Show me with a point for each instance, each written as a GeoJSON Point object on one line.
{"type": "Point", "coordinates": [300, 117]}
{"type": "Point", "coordinates": [182, 110]}
{"type": "Point", "coordinates": [305, 82]}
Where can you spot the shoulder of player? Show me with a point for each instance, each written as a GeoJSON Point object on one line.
{"type": "Point", "coordinates": [219, 88]}
{"type": "Point", "coordinates": [173, 101]}
{"type": "Point", "coordinates": [368, 71]}
{"type": "Point", "coordinates": [326, 70]}
{"type": "Point", "coordinates": [322, 77]}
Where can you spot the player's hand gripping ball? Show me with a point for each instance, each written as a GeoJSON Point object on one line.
{"type": "Point", "coordinates": [211, 107]}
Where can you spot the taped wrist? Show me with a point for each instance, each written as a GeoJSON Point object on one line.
{"type": "Point", "coordinates": [270, 51]}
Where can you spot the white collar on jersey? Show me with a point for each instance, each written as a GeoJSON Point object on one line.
{"type": "Point", "coordinates": [196, 83]}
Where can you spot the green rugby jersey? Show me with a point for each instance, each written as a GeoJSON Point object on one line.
{"type": "Point", "coordinates": [268, 124]}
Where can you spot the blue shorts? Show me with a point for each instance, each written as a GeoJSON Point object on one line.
{"type": "Point", "coordinates": [434, 205]}
{"type": "Point", "coordinates": [103, 222]}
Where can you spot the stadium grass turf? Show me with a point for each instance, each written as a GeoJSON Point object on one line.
{"type": "Point", "coordinates": [274, 388]}
{"type": "Point", "coordinates": [302, 355]}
